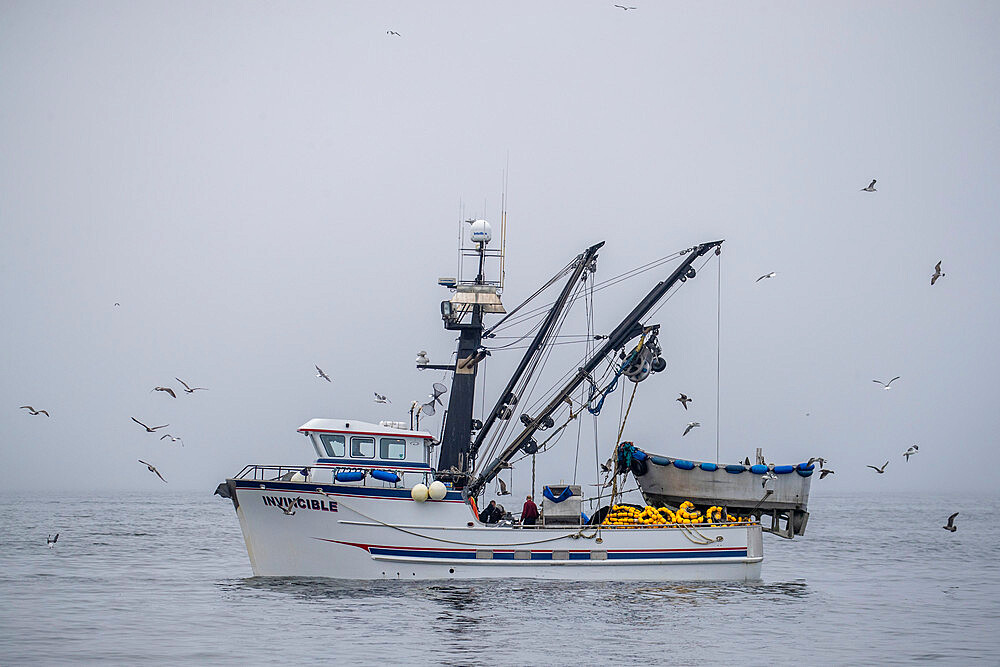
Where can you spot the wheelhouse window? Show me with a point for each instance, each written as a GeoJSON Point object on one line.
{"type": "Point", "coordinates": [392, 448]}
{"type": "Point", "coordinates": [362, 447]}
{"type": "Point", "coordinates": [333, 444]}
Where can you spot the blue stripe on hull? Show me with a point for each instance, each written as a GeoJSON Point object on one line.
{"type": "Point", "coordinates": [613, 555]}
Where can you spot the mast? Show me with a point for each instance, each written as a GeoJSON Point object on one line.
{"type": "Point", "coordinates": [627, 329]}
{"type": "Point", "coordinates": [473, 298]}
{"type": "Point", "coordinates": [582, 262]}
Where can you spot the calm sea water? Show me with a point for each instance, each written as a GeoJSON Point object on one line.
{"type": "Point", "coordinates": [165, 579]}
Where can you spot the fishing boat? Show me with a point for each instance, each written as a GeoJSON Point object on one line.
{"type": "Point", "coordinates": [388, 500]}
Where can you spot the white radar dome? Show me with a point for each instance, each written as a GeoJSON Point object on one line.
{"type": "Point", "coordinates": [419, 493]}
{"type": "Point", "coordinates": [438, 490]}
{"type": "Point", "coordinates": [481, 231]}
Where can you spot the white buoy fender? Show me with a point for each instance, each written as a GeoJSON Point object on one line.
{"type": "Point", "coordinates": [438, 490]}
{"type": "Point", "coordinates": [419, 493]}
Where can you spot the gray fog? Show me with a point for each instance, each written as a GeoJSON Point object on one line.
{"type": "Point", "coordinates": [265, 187]}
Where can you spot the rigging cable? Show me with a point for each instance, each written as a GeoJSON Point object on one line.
{"type": "Point", "coordinates": [537, 361]}
{"type": "Point", "coordinates": [541, 289]}
{"type": "Point", "coordinates": [718, 352]}
{"type": "Point", "coordinates": [610, 282]}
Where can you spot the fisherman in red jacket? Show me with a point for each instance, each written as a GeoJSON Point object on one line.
{"type": "Point", "coordinates": [529, 513]}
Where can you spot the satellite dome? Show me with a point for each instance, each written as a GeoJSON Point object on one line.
{"type": "Point", "coordinates": [481, 231]}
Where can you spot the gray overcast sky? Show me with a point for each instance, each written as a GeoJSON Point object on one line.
{"type": "Point", "coordinates": [268, 186]}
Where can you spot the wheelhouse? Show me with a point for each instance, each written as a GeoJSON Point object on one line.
{"type": "Point", "coordinates": [355, 452]}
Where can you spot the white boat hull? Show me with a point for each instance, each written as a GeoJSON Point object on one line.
{"type": "Point", "coordinates": [347, 532]}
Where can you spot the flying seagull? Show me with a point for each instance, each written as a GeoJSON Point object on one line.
{"type": "Point", "coordinates": [910, 452]}
{"type": "Point", "coordinates": [815, 459]}
{"type": "Point", "coordinates": [51, 541]}
{"type": "Point", "coordinates": [767, 275]}
{"type": "Point", "coordinates": [321, 374]}
{"type": "Point", "coordinates": [503, 488]}
{"type": "Point", "coordinates": [379, 398]}
{"type": "Point", "coordinates": [624, 7]}
{"type": "Point", "coordinates": [870, 188]}
{"type": "Point", "coordinates": [172, 438]}
{"type": "Point", "coordinates": [951, 523]}
{"type": "Point", "coordinates": [690, 426]}
{"type": "Point", "coordinates": [190, 390]}
{"type": "Point", "coordinates": [166, 389]}
{"type": "Point", "coordinates": [823, 472]}
{"type": "Point", "coordinates": [880, 470]}
{"type": "Point", "coordinates": [937, 273]}
{"type": "Point", "coordinates": [885, 385]}
{"type": "Point", "coordinates": [33, 411]}
{"type": "Point", "coordinates": [767, 477]}
{"type": "Point", "coordinates": [148, 429]}
{"type": "Point", "coordinates": [153, 469]}
{"type": "Point", "coordinates": [288, 509]}
{"type": "Point", "coordinates": [392, 32]}
{"type": "Point", "coordinates": [684, 400]}
{"type": "Point", "coordinates": [606, 467]}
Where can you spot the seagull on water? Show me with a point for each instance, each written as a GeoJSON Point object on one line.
{"type": "Point", "coordinates": [910, 452]}
{"type": "Point", "coordinates": [690, 426]}
{"type": "Point", "coordinates": [937, 273]}
{"type": "Point", "coordinates": [33, 411]}
{"type": "Point", "coordinates": [684, 400]}
{"type": "Point", "coordinates": [152, 468]}
{"type": "Point", "coordinates": [823, 472]}
{"type": "Point", "coordinates": [880, 470]}
{"type": "Point", "coordinates": [148, 429]}
{"type": "Point", "coordinates": [767, 275]}
{"type": "Point", "coordinates": [190, 390]}
{"type": "Point", "coordinates": [951, 523]}
{"type": "Point", "coordinates": [886, 385]}
{"type": "Point", "coordinates": [172, 438]}
{"type": "Point", "coordinates": [51, 541]}
{"type": "Point", "coordinates": [870, 188]}
{"type": "Point", "coordinates": [379, 398]}
{"type": "Point", "coordinates": [166, 389]}
{"type": "Point", "coordinates": [321, 374]}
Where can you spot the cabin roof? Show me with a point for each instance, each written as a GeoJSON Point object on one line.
{"type": "Point", "coordinates": [358, 427]}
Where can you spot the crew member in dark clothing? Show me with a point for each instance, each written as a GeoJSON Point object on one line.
{"type": "Point", "coordinates": [529, 513]}
{"type": "Point", "coordinates": [491, 514]}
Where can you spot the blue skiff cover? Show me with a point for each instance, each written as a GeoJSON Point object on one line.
{"type": "Point", "coordinates": [385, 476]}
{"type": "Point", "coordinates": [758, 469]}
{"type": "Point", "coordinates": [547, 492]}
{"type": "Point", "coordinates": [660, 460]}
{"type": "Point", "coordinates": [736, 468]}
{"type": "Point", "coordinates": [351, 476]}
{"type": "Point", "coordinates": [784, 470]}
{"type": "Point", "coordinates": [710, 467]}
{"type": "Point", "coordinates": [684, 465]}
